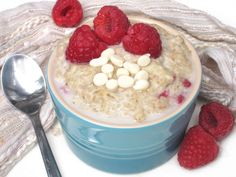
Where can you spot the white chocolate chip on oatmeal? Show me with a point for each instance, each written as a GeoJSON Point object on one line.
{"type": "Point", "coordinates": [108, 52]}
{"type": "Point", "coordinates": [122, 72]}
{"type": "Point", "coordinates": [131, 67]}
{"type": "Point", "coordinates": [116, 60]}
{"type": "Point", "coordinates": [98, 61]}
{"type": "Point", "coordinates": [125, 81]}
{"type": "Point", "coordinates": [144, 60]}
{"type": "Point", "coordinates": [141, 85]}
{"type": "Point", "coordinates": [141, 75]}
{"type": "Point", "coordinates": [112, 84]}
{"type": "Point", "coordinates": [100, 79]}
{"type": "Point", "coordinates": [107, 68]}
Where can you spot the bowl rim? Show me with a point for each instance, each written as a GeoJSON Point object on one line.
{"type": "Point", "coordinates": [194, 92]}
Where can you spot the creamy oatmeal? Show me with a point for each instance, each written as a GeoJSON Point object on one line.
{"type": "Point", "coordinates": [168, 82]}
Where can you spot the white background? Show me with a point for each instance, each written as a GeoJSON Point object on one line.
{"type": "Point", "coordinates": [70, 166]}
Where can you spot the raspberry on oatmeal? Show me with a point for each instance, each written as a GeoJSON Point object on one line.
{"type": "Point", "coordinates": [141, 39]}
{"type": "Point", "coordinates": [111, 24]}
{"type": "Point", "coordinates": [84, 45]}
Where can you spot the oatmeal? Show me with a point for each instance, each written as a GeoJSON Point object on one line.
{"type": "Point", "coordinates": [151, 87]}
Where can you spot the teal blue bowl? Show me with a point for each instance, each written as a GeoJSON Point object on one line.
{"type": "Point", "coordinates": [124, 149]}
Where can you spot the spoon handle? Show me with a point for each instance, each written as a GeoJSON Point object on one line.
{"type": "Point", "coordinates": [48, 158]}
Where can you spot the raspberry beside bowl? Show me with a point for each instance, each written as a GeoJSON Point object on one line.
{"type": "Point", "coordinates": [124, 148]}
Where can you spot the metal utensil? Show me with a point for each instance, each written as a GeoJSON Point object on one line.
{"type": "Point", "coordinates": [24, 86]}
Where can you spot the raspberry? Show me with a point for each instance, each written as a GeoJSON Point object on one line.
{"type": "Point", "coordinates": [67, 13]}
{"type": "Point", "coordinates": [216, 119]}
{"type": "Point", "coordinates": [141, 39]}
{"type": "Point", "coordinates": [180, 99]}
{"type": "Point", "coordinates": [84, 46]}
{"type": "Point", "coordinates": [165, 94]}
{"type": "Point", "coordinates": [111, 24]}
{"type": "Point", "coordinates": [197, 149]}
{"type": "Point", "coordinates": [186, 83]}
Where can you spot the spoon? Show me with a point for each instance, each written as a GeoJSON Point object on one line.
{"type": "Point", "coordinates": [24, 86]}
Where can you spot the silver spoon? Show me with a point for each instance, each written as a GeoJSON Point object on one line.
{"type": "Point", "coordinates": [24, 86]}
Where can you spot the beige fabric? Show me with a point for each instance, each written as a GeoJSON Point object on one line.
{"type": "Point", "coordinates": [29, 29]}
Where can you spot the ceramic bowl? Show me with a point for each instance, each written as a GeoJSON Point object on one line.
{"type": "Point", "coordinates": [119, 148]}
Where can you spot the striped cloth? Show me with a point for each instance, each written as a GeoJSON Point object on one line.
{"type": "Point", "coordinates": [29, 29]}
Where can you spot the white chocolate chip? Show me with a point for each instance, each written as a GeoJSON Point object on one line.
{"type": "Point", "coordinates": [131, 67]}
{"type": "Point", "coordinates": [122, 72]}
{"type": "Point", "coordinates": [98, 61]}
{"type": "Point", "coordinates": [141, 85]}
{"type": "Point", "coordinates": [125, 81]}
{"type": "Point", "coordinates": [100, 79]}
{"type": "Point", "coordinates": [107, 68]}
{"type": "Point", "coordinates": [141, 75]}
{"type": "Point", "coordinates": [112, 84]}
{"type": "Point", "coordinates": [116, 60]}
{"type": "Point", "coordinates": [144, 60]}
{"type": "Point", "coordinates": [108, 52]}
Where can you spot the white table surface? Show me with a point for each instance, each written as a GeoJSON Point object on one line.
{"type": "Point", "coordinates": [32, 165]}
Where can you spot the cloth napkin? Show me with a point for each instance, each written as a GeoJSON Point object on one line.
{"type": "Point", "coordinates": [29, 29]}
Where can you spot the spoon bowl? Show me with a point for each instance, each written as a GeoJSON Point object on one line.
{"type": "Point", "coordinates": [23, 83]}
{"type": "Point", "coordinates": [24, 86]}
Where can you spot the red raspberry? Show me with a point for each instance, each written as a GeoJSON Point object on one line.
{"type": "Point", "coordinates": [67, 13]}
{"type": "Point", "coordinates": [216, 119]}
{"type": "Point", "coordinates": [111, 24]}
{"type": "Point", "coordinates": [197, 149]}
{"type": "Point", "coordinates": [165, 94]}
{"type": "Point", "coordinates": [142, 39]}
{"type": "Point", "coordinates": [180, 99]}
{"type": "Point", "coordinates": [84, 46]}
{"type": "Point", "coordinates": [186, 83]}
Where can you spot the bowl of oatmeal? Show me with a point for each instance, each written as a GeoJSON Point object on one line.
{"type": "Point", "coordinates": [127, 114]}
